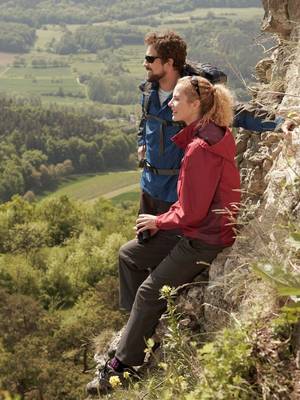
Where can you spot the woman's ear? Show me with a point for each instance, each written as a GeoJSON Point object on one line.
{"type": "Point", "coordinates": [196, 104]}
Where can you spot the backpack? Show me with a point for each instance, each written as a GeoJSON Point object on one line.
{"type": "Point", "coordinates": [208, 71]}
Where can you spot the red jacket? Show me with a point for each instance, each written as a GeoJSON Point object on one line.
{"type": "Point", "coordinates": [208, 186]}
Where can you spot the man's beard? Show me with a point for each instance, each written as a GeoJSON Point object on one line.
{"type": "Point", "coordinates": [155, 77]}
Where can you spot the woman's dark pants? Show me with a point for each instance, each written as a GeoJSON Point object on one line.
{"type": "Point", "coordinates": [144, 269]}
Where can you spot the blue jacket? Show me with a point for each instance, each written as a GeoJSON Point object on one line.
{"type": "Point", "coordinates": [160, 187]}
{"type": "Point", "coordinates": [164, 187]}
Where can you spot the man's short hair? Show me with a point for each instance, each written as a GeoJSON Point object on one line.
{"type": "Point", "coordinates": [168, 45]}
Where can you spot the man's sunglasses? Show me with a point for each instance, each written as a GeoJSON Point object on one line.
{"type": "Point", "coordinates": [195, 83]}
{"type": "Point", "coordinates": [151, 59]}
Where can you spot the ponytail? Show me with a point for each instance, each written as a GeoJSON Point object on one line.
{"type": "Point", "coordinates": [216, 101]}
{"type": "Point", "coordinates": [221, 112]}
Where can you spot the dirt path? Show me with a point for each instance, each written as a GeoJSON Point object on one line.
{"type": "Point", "coordinates": [125, 189]}
{"type": "Point", "coordinates": [85, 88]}
{"type": "Point", "coordinates": [4, 72]}
{"type": "Point", "coordinates": [116, 192]}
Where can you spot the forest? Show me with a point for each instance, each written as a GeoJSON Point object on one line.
{"type": "Point", "coordinates": [16, 38]}
{"type": "Point", "coordinates": [39, 146]}
{"type": "Point", "coordinates": [59, 290]}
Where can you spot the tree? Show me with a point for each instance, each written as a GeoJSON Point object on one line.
{"type": "Point", "coordinates": [27, 237]}
{"type": "Point", "coordinates": [11, 181]}
{"type": "Point", "coordinates": [62, 216]}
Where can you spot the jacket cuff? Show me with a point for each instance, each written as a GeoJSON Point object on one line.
{"type": "Point", "coordinates": [157, 223]}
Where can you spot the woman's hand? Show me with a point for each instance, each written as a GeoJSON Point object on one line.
{"type": "Point", "coordinates": [144, 222]}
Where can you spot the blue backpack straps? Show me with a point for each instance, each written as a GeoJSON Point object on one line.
{"type": "Point", "coordinates": [146, 88]}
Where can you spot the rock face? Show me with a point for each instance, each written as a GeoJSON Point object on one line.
{"type": "Point", "coordinates": [281, 16]}
{"type": "Point", "coordinates": [270, 168]}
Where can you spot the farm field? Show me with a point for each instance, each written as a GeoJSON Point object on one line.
{"type": "Point", "coordinates": [41, 81]}
{"type": "Point", "coordinates": [126, 196]}
{"type": "Point", "coordinates": [45, 36]}
{"type": "Point", "coordinates": [232, 13]}
{"type": "Point", "coordinates": [91, 187]}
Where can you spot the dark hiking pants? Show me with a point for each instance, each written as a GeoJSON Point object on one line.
{"type": "Point", "coordinates": [144, 270]}
{"type": "Point", "coordinates": [150, 205]}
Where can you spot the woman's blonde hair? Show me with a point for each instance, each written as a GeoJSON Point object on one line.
{"type": "Point", "coordinates": [216, 101]}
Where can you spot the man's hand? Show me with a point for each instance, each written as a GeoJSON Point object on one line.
{"type": "Point", "coordinates": [141, 152]}
{"type": "Point", "coordinates": [146, 221]}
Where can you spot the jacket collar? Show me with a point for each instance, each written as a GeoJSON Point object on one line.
{"type": "Point", "coordinates": [186, 135]}
{"type": "Point", "coordinates": [213, 138]}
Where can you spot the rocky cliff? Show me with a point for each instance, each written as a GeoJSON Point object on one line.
{"type": "Point", "coordinates": [269, 162]}
{"type": "Point", "coordinates": [270, 170]}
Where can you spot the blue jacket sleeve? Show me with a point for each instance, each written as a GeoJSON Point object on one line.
{"type": "Point", "coordinates": [248, 120]}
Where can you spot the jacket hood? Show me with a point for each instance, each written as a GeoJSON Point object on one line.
{"type": "Point", "coordinates": [211, 137]}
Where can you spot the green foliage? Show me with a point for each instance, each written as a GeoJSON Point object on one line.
{"type": "Point", "coordinates": [16, 38]}
{"type": "Point", "coordinates": [284, 276]}
{"type": "Point", "coordinates": [18, 275]}
{"type": "Point", "coordinates": [224, 370]}
{"type": "Point", "coordinates": [56, 294]}
{"type": "Point", "coordinates": [286, 283]}
{"type": "Point", "coordinates": [112, 90]}
{"type": "Point", "coordinates": [244, 361]}
{"type": "Point", "coordinates": [4, 395]}
{"type": "Point", "coordinates": [94, 38]}
{"type": "Point", "coordinates": [28, 236]}
{"type": "Point", "coordinates": [220, 39]}
{"type": "Point", "coordinates": [62, 216]}
{"type": "Point", "coordinates": [67, 45]}
{"type": "Point", "coordinates": [213, 371]}
{"type": "Point", "coordinates": [12, 180]}
{"type": "Point", "coordinates": [42, 146]}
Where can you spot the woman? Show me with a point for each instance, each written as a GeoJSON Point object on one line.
{"type": "Point", "coordinates": [208, 198]}
{"type": "Point", "coordinates": [208, 184]}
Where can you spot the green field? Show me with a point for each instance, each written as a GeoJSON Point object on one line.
{"type": "Point", "coordinates": [44, 36]}
{"type": "Point", "coordinates": [91, 187]}
{"type": "Point", "coordinates": [128, 196]}
{"type": "Point", "coordinates": [40, 81]}
{"type": "Point", "coordinates": [232, 13]}
{"type": "Point", "coordinates": [133, 58]}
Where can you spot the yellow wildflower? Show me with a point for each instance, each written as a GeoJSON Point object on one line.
{"type": "Point", "coordinates": [166, 290]}
{"type": "Point", "coordinates": [115, 381]}
{"type": "Point", "coordinates": [126, 374]}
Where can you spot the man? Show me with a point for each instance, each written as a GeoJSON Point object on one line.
{"type": "Point", "coordinates": [164, 63]}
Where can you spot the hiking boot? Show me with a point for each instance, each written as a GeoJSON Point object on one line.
{"type": "Point", "coordinates": [108, 378]}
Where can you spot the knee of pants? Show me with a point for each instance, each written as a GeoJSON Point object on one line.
{"type": "Point", "coordinates": [148, 294]}
{"type": "Point", "coordinates": [123, 251]}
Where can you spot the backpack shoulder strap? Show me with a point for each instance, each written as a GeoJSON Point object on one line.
{"type": "Point", "coordinates": [145, 87]}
